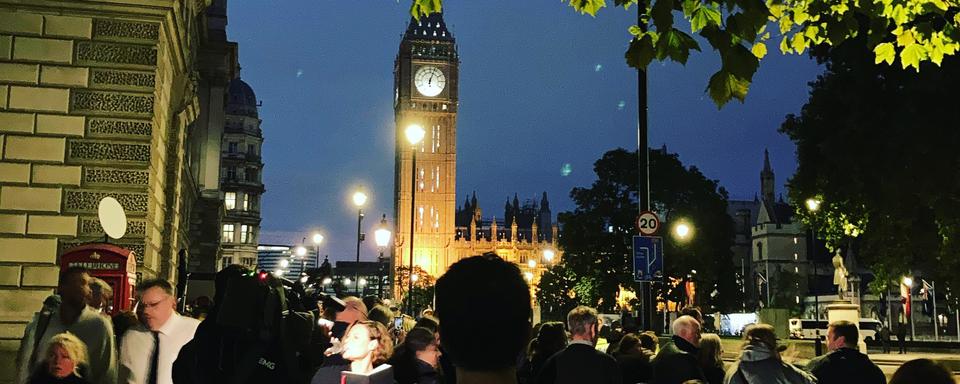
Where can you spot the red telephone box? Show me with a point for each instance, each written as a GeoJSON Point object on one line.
{"type": "Point", "coordinates": [115, 265]}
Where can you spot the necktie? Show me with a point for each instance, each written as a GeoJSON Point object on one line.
{"type": "Point", "coordinates": [154, 362]}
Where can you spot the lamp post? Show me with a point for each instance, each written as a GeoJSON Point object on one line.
{"type": "Point", "coordinates": [813, 205]}
{"type": "Point", "coordinates": [414, 134]}
{"type": "Point", "coordinates": [909, 283]}
{"type": "Point", "coordinates": [300, 252]}
{"type": "Point", "coordinates": [683, 233]}
{"type": "Point", "coordinates": [359, 199]}
{"type": "Point", "coordinates": [548, 255]}
{"type": "Point", "coordinates": [317, 239]}
{"type": "Point", "coordinates": [382, 236]}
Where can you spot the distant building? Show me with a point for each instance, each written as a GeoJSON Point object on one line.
{"type": "Point", "coordinates": [426, 93]}
{"type": "Point", "coordinates": [284, 258]}
{"type": "Point", "coordinates": [374, 278]}
{"type": "Point", "coordinates": [241, 177]}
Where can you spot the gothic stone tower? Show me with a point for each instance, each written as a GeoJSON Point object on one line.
{"type": "Point", "coordinates": [425, 93]}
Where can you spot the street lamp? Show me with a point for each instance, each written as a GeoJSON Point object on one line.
{"type": "Point", "coordinates": [532, 263]}
{"type": "Point", "coordinates": [317, 239]}
{"type": "Point", "coordinates": [548, 255]}
{"type": "Point", "coordinates": [414, 134]}
{"type": "Point", "coordinates": [909, 283]}
{"type": "Point", "coordinates": [382, 237]}
{"type": "Point", "coordinates": [683, 231]}
{"type": "Point", "coordinates": [359, 199]}
{"type": "Point", "coordinates": [813, 205]}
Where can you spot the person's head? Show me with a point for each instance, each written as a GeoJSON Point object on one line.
{"type": "Point", "coordinates": [101, 294]}
{"type": "Point", "coordinates": [483, 304]}
{"type": "Point", "coordinates": [922, 371]}
{"type": "Point", "coordinates": [65, 352]}
{"type": "Point", "coordinates": [428, 322]}
{"type": "Point", "coordinates": [688, 328]}
{"type": "Point", "coordinates": [583, 323]}
{"type": "Point", "coordinates": [649, 340]}
{"type": "Point", "coordinates": [354, 310]}
{"type": "Point", "coordinates": [371, 301]}
{"type": "Point", "coordinates": [841, 334]}
{"type": "Point", "coordinates": [382, 315]}
{"type": "Point", "coordinates": [367, 339]}
{"type": "Point", "coordinates": [629, 343]}
{"type": "Point", "coordinates": [551, 338]}
{"type": "Point", "coordinates": [157, 301]}
{"type": "Point", "coordinates": [693, 312]}
{"type": "Point", "coordinates": [74, 287]}
{"type": "Point", "coordinates": [761, 335]}
{"type": "Point", "coordinates": [222, 280]}
{"type": "Point", "coordinates": [711, 350]}
{"type": "Point", "coordinates": [423, 344]}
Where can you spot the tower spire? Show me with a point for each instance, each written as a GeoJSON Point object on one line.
{"type": "Point", "coordinates": [767, 179]}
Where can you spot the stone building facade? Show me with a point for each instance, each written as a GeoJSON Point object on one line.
{"type": "Point", "coordinates": [426, 74]}
{"type": "Point", "coordinates": [240, 177]}
{"type": "Point", "coordinates": [97, 99]}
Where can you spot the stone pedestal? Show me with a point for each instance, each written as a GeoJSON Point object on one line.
{"type": "Point", "coordinates": [849, 312]}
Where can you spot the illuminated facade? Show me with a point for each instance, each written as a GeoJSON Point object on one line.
{"type": "Point", "coordinates": [426, 93]}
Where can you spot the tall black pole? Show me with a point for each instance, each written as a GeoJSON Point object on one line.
{"type": "Point", "coordinates": [643, 164]}
{"type": "Point", "coordinates": [413, 195]}
{"type": "Point", "coordinates": [818, 345]}
{"type": "Point", "coordinates": [356, 275]}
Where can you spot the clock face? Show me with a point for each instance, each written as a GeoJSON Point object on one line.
{"type": "Point", "coordinates": [429, 81]}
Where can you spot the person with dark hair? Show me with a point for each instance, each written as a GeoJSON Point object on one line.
{"type": "Point", "coordinates": [73, 315]}
{"type": "Point", "coordinates": [695, 313]}
{"type": "Point", "coordinates": [483, 304]}
{"type": "Point", "coordinates": [428, 322]}
{"type": "Point", "coordinates": [677, 360]}
{"type": "Point", "coordinates": [580, 361]}
{"type": "Point", "coordinates": [417, 358]}
{"type": "Point", "coordinates": [845, 364]}
{"type": "Point", "coordinates": [760, 361]}
{"type": "Point", "coordinates": [382, 315]}
{"type": "Point", "coordinates": [649, 341]}
{"type": "Point", "coordinates": [634, 360]}
{"type": "Point", "coordinates": [924, 371]}
{"type": "Point", "coordinates": [551, 338]}
{"type": "Point", "coordinates": [149, 350]}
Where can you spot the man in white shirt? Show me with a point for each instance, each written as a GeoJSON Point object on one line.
{"type": "Point", "coordinates": [147, 352]}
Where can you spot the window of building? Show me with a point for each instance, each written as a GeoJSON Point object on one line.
{"type": "Point", "coordinates": [254, 202]}
{"type": "Point", "coordinates": [232, 147]}
{"type": "Point", "coordinates": [226, 261]}
{"type": "Point", "coordinates": [251, 174]}
{"type": "Point", "coordinates": [245, 202]}
{"type": "Point", "coordinates": [251, 149]}
{"type": "Point", "coordinates": [249, 261]}
{"type": "Point", "coordinates": [759, 251]}
{"type": "Point", "coordinates": [245, 234]}
{"type": "Point", "coordinates": [230, 200]}
{"type": "Point", "coordinates": [232, 173]}
{"type": "Point", "coordinates": [227, 233]}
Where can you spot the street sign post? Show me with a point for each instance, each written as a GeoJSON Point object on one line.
{"type": "Point", "coordinates": [648, 223]}
{"type": "Point", "coordinates": [647, 258]}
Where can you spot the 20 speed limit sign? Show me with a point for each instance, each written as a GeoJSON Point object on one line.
{"type": "Point", "coordinates": [648, 223]}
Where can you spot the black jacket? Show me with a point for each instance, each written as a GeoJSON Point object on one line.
{"type": "Point", "coordinates": [677, 362]}
{"type": "Point", "coordinates": [846, 366]}
{"type": "Point", "coordinates": [635, 367]}
{"type": "Point", "coordinates": [580, 363]}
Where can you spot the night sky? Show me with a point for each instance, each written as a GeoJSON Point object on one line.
{"type": "Point", "coordinates": [540, 86]}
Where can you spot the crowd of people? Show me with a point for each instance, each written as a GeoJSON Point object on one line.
{"type": "Point", "coordinates": [261, 330]}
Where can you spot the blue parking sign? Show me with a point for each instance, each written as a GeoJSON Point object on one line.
{"type": "Point", "coordinates": [647, 258]}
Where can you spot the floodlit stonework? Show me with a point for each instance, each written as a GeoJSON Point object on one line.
{"type": "Point", "coordinates": [104, 99]}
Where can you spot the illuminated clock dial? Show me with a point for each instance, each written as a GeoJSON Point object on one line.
{"type": "Point", "coordinates": [429, 81]}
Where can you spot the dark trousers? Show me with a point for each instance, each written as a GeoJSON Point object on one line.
{"type": "Point", "coordinates": [903, 343]}
{"type": "Point", "coordinates": [885, 343]}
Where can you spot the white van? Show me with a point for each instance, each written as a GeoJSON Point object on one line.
{"type": "Point", "coordinates": [807, 329]}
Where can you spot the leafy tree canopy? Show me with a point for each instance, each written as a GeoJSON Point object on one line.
{"type": "Point", "coordinates": [597, 236]}
{"type": "Point", "coordinates": [879, 146]}
{"type": "Point", "coordinates": [908, 31]}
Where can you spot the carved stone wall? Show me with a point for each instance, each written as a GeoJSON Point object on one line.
{"type": "Point", "coordinates": [106, 102]}
{"type": "Point", "coordinates": [93, 175]}
{"type": "Point", "coordinates": [123, 29]}
{"type": "Point", "coordinates": [87, 201]}
{"type": "Point", "coordinates": [119, 128]}
{"type": "Point", "coordinates": [95, 53]}
{"type": "Point", "coordinates": [109, 151]}
{"type": "Point", "coordinates": [112, 78]}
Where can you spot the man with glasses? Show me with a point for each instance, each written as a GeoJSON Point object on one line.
{"type": "Point", "coordinates": [147, 352]}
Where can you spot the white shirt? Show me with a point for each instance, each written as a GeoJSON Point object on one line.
{"type": "Point", "coordinates": [136, 349]}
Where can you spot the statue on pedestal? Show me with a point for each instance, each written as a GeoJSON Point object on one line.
{"type": "Point", "coordinates": [839, 275]}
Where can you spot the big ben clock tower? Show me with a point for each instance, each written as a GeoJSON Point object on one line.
{"type": "Point", "coordinates": [425, 93]}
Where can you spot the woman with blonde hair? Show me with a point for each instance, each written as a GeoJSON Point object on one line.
{"type": "Point", "coordinates": [760, 361]}
{"type": "Point", "coordinates": [711, 358]}
{"type": "Point", "coordinates": [65, 354]}
{"type": "Point", "coordinates": [366, 346]}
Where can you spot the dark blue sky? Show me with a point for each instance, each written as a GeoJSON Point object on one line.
{"type": "Point", "coordinates": [540, 86]}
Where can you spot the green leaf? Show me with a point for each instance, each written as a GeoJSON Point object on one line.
{"type": "Point", "coordinates": [662, 13]}
{"type": "Point", "coordinates": [759, 50]}
{"type": "Point", "coordinates": [703, 17]}
{"type": "Point", "coordinates": [784, 46]}
{"type": "Point", "coordinates": [676, 45]}
{"type": "Point", "coordinates": [425, 7]}
{"type": "Point", "coordinates": [690, 6]}
{"type": "Point", "coordinates": [635, 30]}
{"type": "Point", "coordinates": [724, 86]}
{"type": "Point", "coordinates": [884, 52]}
{"type": "Point", "coordinates": [641, 51]}
{"type": "Point", "coordinates": [799, 44]}
{"type": "Point", "coordinates": [589, 7]}
{"type": "Point", "coordinates": [739, 61]}
{"type": "Point", "coordinates": [911, 55]}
